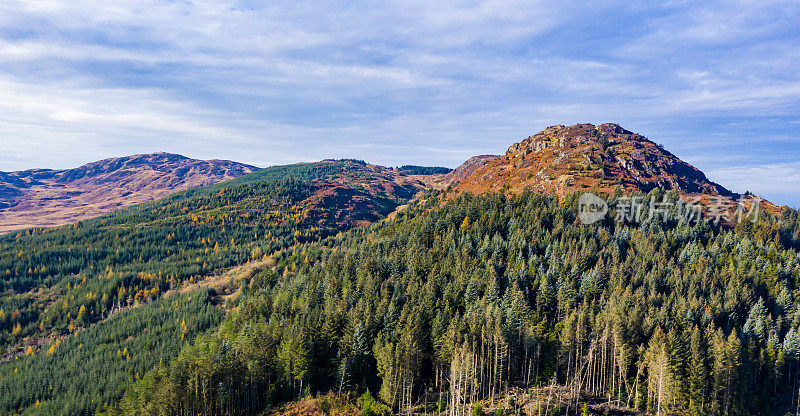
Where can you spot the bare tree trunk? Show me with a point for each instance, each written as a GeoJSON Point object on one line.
{"type": "Point", "coordinates": [660, 386]}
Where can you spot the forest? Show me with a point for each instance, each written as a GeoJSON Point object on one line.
{"type": "Point", "coordinates": [84, 372]}
{"type": "Point", "coordinates": [462, 298]}
{"type": "Point", "coordinates": [61, 282]}
{"type": "Point", "coordinates": [127, 259]}
{"type": "Point", "coordinates": [140, 252]}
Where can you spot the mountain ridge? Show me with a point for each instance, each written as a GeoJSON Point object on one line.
{"type": "Point", "coordinates": [558, 160]}
{"type": "Point", "coordinates": [49, 197]}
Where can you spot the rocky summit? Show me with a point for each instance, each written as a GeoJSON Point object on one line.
{"type": "Point", "coordinates": [564, 159]}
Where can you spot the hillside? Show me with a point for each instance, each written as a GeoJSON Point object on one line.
{"type": "Point", "coordinates": [45, 197]}
{"type": "Point", "coordinates": [284, 291]}
{"type": "Point", "coordinates": [487, 303]}
{"type": "Point", "coordinates": [508, 304]}
{"type": "Point", "coordinates": [560, 160]}
{"type": "Point", "coordinates": [468, 167]}
{"type": "Point", "coordinates": [69, 280]}
{"type": "Point", "coordinates": [364, 193]}
{"type": "Point", "coordinates": [169, 237]}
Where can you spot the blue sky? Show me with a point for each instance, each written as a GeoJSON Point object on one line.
{"type": "Point", "coordinates": [717, 83]}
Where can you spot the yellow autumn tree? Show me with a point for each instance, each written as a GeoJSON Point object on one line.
{"type": "Point", "coordinates": [82, 314]}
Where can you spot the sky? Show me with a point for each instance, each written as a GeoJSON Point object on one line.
{"type": "Point", "coordinates": [717, 83]}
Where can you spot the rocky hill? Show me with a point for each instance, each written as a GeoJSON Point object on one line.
{"type": "Point", "coordinates": [563, 159]}
{"type": "Point", "coordinates": [45, 197]}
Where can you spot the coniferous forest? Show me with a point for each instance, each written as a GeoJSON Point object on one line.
{"type": "Point", "coordinates": [456, 300]}
{"type": "Point", "coordinates": [81, 373]}
{"type": "Point", "coordinates": [451, 304]}
{"type": "Point", "coordinates": [394, 208]}
{"type": "Point", "coordinates": [123, 277]}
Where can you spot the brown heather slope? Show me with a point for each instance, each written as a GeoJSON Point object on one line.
{"type": "Point", "coordinates": [564, 159]}
{"type": "Point", "coordinates": [468, 167]}
{"type": "Point", "coordinates": [363, 193]}
{"type": "Point", "coordinates": [45, 197]}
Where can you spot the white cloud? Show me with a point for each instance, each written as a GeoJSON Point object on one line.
{"type": "Point", "coordinates": [779, 182]}
{"type": "Point", "coordinates": [390, 82]}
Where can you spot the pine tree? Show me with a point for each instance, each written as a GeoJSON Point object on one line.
{"type": "Point", "coordinates": [733, 352]}
{"type": "Point", "coordinates": [360, 355]}
{"type": "Point", "coordinates": [679, 359]}
{"type": "Point", "coordinates": [658, 373]}
{"type": "Point", "coordinates": [699, 373]}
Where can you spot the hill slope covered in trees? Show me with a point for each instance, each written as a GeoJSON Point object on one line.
{"type": "Point", "coordinates": [447, 306]}
{"type": "Point", "coordinates": [62, 282]}
{"type": "Point", "coordinates": [300, 288]}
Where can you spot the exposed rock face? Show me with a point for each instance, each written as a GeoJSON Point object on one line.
{"type": "Point", "coordinates": [563, 159]}
{"type": "Point", "coordinates": [469, 166]}
{"type": "Point", "coordinates": [45, 197]}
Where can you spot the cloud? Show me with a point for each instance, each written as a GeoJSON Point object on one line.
{"type": "Point", "coordinates": [391, 82]}
{"type": "Point", "coordinates": [779, 182]}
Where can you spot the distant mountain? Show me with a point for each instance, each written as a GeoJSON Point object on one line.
{"type": "Point", "coordinates": [558, 160]}
{"type": "Point", "coordinates": [424, 170]}
{"type": "Point", "coordinates": [45, 197]}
